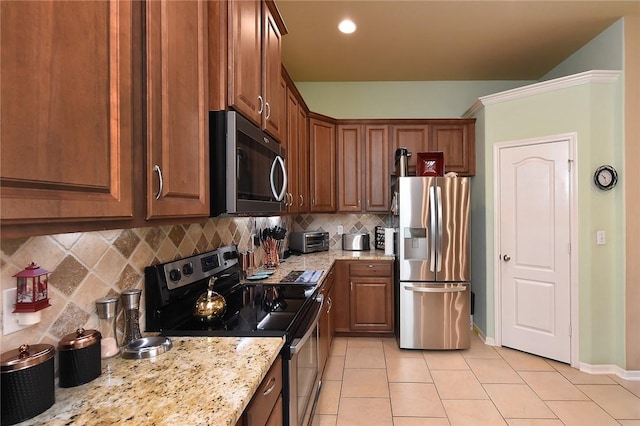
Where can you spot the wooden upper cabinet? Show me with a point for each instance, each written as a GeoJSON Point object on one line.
{"type": "Point", "coordinates": [275, 92]}
{"type": "Point", "coordinates": [254, 61]}
{"type": "Point", "coordinates": [414, 137]}
{"type": "Point", "coordinates": [454, 137]}
{"type": "Point", "coordinates": [177, 109]}
{"type": "Point", "coordinates": [363, 168]}
{"type": "Point", "coordinates": [457, 141]}
{"type": "Point", "coordinates": [303, 162]}
{"type": "Point", "coordinates": [377, 179]}
{"type": "Point", "coordinates": [349, 160]}
{"type": "Point", "coordinates": [65, 111]}
{"type": "Point", "coordinates": [245, 67]}
{"type": "Point", "coordinates": [322, 161]}
{"type": "Point", "coordinates": [292, 143]}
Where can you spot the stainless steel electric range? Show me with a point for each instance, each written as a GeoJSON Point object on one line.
{"type": "Point", "coordinates": [291, 311]}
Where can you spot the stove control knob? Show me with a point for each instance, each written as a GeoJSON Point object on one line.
{"type": "Point", "coordinates": [175, 275]}
{"type": "Point", "coordinates": [187, 269]}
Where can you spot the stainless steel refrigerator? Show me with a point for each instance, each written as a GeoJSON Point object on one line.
{"type": "Point", "coordinates": [433, 263]}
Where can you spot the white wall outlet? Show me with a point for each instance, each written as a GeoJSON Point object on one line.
{"type": "Point", "coordinates": [9, 319]}
{"type": "Point", "coordinates": [601, 237]}
{"type": "Point", "coordinates": [340, 229]}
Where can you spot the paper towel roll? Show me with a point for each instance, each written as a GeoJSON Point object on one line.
{"type": "Point", "coordinates": [388, 241]}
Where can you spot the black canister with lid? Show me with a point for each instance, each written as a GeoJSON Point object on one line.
{"type": "Point", "coordinates": [28, 386]}
{"type": "Point", "coordinates": [79, 358]}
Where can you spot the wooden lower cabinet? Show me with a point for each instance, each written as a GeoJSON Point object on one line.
{"type": "Point", "coordinates": [327, 319]}
{"type": "Point", "coordinates": [265, 407]}
{"type": "Point", "coordinates": [363, 300]}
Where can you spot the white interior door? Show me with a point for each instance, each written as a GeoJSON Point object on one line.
{"type": "Point", "coordinates": [534, 237]}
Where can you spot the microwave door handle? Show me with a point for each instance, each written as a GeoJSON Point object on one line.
{"type": "Point", "coordinates": [280, 161]}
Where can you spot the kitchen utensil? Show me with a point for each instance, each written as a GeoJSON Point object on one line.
{"type": "Point", "coordinates": [79, 357]}
{"type": "Point", "coordinates": [146, 347]}
{"type": "Point", "coordinates": [210, 305]}
{"type": "Point", "coordinates": [28, 386]}
{"type": "Point", "coordinates": [131, 305]}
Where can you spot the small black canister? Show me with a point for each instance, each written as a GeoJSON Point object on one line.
{"type": "Point", "coordinates": [79, 358]}
{"type": "Point", "coordinates": [27, 382]}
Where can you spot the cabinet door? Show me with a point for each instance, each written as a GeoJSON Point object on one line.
{"type": "Point", "coordinates": [322, 155]}
{"type": "Point", "coordinates": [326, 326]}
{"type": "Point", "coordinates": [341, 303]}
{"type": "Point", "coordinates": [303, 162]}
{"type": "Point", "coordinates": [377, 177]}
{"type": "Point", "coordinates": [66, 111]}
{"type": "Point", "coordinates": [457, 142]}
{"type": "Point", "coordinates": [245, 76]}
{"type": "Point", "coordinates": [177, 109]}
{"type": "Point", "coordinates": [370, 307]}
{"type": "Point", "coordinates": [415, 138]}
{"type": "Point", "coordinates": [349, 171]}
{"type": "Point", "coordinates": [274, 90]}
{"type": "Point", "coordinates": [292, 142]}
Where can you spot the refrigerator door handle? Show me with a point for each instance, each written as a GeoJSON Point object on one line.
{"type": "Point", "coordinates": [440, 236]}
{"type": "Point", "coordinates": [432, 227]}
{"type": "Point", "coordinates": [435, 289]}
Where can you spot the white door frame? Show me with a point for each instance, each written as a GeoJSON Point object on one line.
{"type": "Point", "coordinates": [573, 207]}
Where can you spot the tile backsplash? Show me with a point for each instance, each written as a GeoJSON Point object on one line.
{"type": "Point", "coordinates": [89, 265]}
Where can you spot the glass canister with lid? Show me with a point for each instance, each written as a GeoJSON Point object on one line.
{"type": "Point", "coordinates": [107, 308]}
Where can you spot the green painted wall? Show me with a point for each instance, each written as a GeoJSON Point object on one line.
{"type": "Point", "coordinates": [398, 99]}
{"type": "Point", "coordinates": [592, 110]}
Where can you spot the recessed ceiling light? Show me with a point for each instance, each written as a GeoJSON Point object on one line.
{"type": "Point", "coordinates": [347, 26]}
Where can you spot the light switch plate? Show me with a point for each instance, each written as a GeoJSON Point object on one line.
{"type": "Point", "coordinates": [9, 319]}
{"type": "Point", "coordinates": [340, 229]}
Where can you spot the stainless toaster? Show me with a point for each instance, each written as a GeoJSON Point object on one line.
{"type": "Point", "coordinates": [355, 242]}
{"type": "Point", "coordinates": [309, 241]}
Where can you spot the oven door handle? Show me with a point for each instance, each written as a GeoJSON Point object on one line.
{"type": "Point", "coordinates": [297, 344]}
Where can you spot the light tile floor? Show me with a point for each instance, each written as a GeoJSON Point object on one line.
{"type": "Point", "coordinates": [370, 381]}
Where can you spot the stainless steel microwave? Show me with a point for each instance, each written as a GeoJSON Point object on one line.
{"type": "Point", "coordinates": [248, 173]}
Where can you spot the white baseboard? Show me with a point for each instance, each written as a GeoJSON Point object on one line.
{"type": "Point", "coordinates": [631, 375]}
{"type": "Point", "coordinates": [486, 340]}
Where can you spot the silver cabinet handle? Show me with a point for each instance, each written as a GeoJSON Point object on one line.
{"type": "Point", "coordinates": [330, 302]}
{"type": "Point", "coordinates": [506, 258]}
{"type": "Point", "coordinates": [261, 107]}
{"type": "Point", "coordinates": [301, 200]}
{"type": "Point", "coordinates": [157, 169]}
{"type": "Point", "coordinates": [272, 386]}
{"type": "Point", "coordinates": [268, 109]}
{"type": "Point", "coordinates": [435, 289]}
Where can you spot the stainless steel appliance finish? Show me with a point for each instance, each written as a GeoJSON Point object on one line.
{"type": "Point", "coordinates": [304, 367]}
{"type": "Point", "coordinates": [309, 241]}
{"type": "Point", "coordinates": [356, 242]}
{"type": "Point", "coordinates": [252, 310]}
{"type": "Point", "coordinates": [248, 174]}
{"type": "Point", "coordinates": [433, 263]}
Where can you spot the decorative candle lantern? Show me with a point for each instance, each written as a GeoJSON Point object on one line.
{"type": "Point", "coordinates": [32, 293]}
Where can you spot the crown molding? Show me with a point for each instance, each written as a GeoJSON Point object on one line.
{"type": "Point", "coordinates": [595, 76]}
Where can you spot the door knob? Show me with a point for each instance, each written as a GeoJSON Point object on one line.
{"type": "Point", "coordinates": [506, 258]}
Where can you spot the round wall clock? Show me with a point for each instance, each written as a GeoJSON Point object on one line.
{"type": "Point", "coordinates": [605, 177]}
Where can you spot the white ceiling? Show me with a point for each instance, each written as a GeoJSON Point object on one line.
{"type": "Point", "coordinates": [423, 40]}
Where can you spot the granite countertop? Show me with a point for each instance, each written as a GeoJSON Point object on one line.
{"type": "Point", "coordinates": [201, 380]}
{"type": "Point", "coordinates": [320, 261]}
